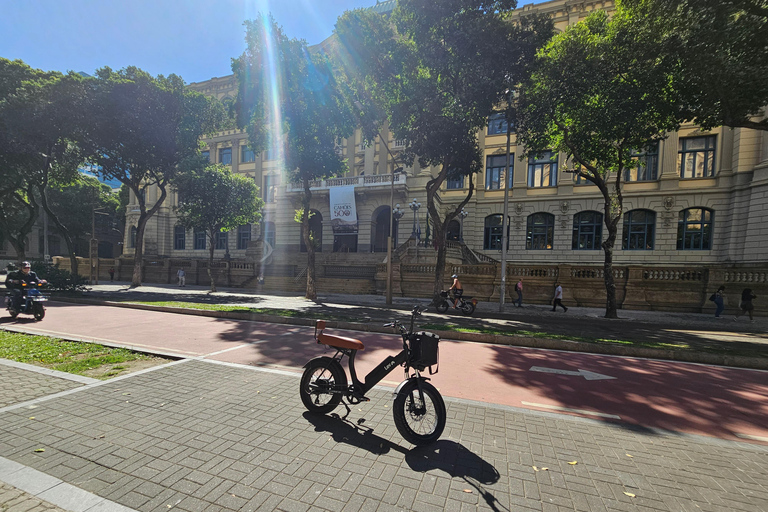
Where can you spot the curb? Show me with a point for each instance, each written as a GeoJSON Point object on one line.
{"type": "Point", "coordinates": [513, 340]}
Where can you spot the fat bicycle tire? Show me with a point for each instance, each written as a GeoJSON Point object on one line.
{"type": "Point", "coordinates": [419, 425]}
{"type": "Point", "coordinates": [39, 311]}
{"type": "Point", "coordinates": [468, 308]}
{"type": "Point", "coordinates": [321, 374]}
{"type": "Point", "coordinates": [442, 307]}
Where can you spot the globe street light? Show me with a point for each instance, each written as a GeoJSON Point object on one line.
{"type": "Point", "coordinates": [415, 207]}
{"type": "Point", "coordinates": [397, 214]}
{"type": "Point", "coordinates": [462, 215]}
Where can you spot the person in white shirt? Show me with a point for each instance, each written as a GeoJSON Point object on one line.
{"type": "Point", "coordinates": [558, 298]}
{"type": "Point", "coordinates": [182, 277]}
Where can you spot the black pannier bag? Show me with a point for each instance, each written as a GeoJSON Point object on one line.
{"type": "Point", "coordinates": [424, 351]}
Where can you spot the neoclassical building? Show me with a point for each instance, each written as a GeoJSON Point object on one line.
{"type": "Point", "coordinates": [695, 216]}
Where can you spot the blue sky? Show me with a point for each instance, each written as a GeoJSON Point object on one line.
{"type": "Point", "coordinates": [192, 38]}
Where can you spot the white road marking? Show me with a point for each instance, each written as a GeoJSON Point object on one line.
{"type": "Point", "coordinates": [751, 438]}
{"type": "Point", "coordinates": [581, 373]}
{"type": "Point", "coordinates": [568, 409]}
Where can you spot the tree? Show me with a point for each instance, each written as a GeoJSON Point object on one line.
{"type": "Point", "coordinates": [216, 200]}
{"type": "Point", "coordinates": [598, 96]}
{"type": "Point", "coordinates": [715, 54]}
{"type": "Point", "coordinates": [41, 124]}
{"type": "Point", "coordinates": [143, 128]}
{"type": "Point", "coordinates": [310, 116]}
{"type": "Point", "coordinates": [439, 70]}
{"type": "Point", "coordinates": [77, 201]}
{"type": "Point", "coordinates": [18, 213]}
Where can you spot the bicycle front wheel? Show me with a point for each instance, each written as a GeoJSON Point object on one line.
{"type": "Point", "coordinates": [419, 421]}
{"type": "Point", "coordinates": [320, 384]}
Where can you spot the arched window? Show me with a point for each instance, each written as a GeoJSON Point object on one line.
{"type": "Point", "coordinates": [454, 231]}
{"type": "Point", "coordinates": [492, 233]}
{"type": "Point", "coordinates": [639, 229]}
{"type": "Point", "coordinates": [179, 238]}
{"type": "Point", "coordinates": [587, 231]}
{"type": "Point", "coordinates": [694, 229]}
{"type": "Point", "coordinates": [315, 231]}
{"type": "Point", "coordinates": [541, 231]}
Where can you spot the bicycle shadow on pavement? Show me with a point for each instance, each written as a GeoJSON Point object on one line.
{"type": "Point", "coordinates": [447, 456]}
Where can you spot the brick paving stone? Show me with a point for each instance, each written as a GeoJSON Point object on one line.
{"type": "Point", "coordinates": [216, 444]}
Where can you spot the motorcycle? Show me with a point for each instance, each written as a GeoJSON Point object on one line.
{"type": "Point", "coordinates": [31, 302]}
{"type": "Point", "coordinates": [465, 304]}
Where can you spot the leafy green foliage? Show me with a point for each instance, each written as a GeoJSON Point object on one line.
{"type": "Point", "coordinates": [143, 129]}
{"type": "Point", "coordinates": [597, 95]}
{"type": "Point", "coordinates": [58, 279]}
{"type": "Point", "coordinates": [714, 52]}
{"type": "Point", "coordinates": [294, 106]}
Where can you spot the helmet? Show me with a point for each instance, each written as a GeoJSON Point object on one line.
{"type": "Point", "coordinates": [25, 264]}
{"type": "Point", "coordinates": [454, 276]}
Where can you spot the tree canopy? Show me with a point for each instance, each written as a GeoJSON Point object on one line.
{"type": "Point", "coordinates": [215, 199]}
{"type": "Point", "coordinates": [597, 96]}
{"type": "Point", "coordinates": [289, 100]}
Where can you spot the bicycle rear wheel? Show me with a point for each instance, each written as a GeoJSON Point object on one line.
{"type": "Point", "coordinates": [322, 377]}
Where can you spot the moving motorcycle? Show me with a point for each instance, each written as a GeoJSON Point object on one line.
{"type": "Point", "coordinates": [31, 302]}
{"type": "Point", "coordinates": [465, 304]}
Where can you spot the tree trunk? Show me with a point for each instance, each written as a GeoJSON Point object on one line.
{"type": "Point", "coordinates": [18, 246]}
{"type": "Point", "coordinates": [211, 248]}
{"type": "Point", "coordinates": [138, 252]}
{"type": "Point", "coordinates": [610, 282]}
{"type": "Point", "coordinates": [311, 292]}
{"type": "Point", "coordinates": [64, 232]}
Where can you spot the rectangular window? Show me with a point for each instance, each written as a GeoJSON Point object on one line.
{"type": "Point", "coordinates": [647, 165]}
{"type": "Point", "coordinates": [271, 154]}
{"type": "Point", "coordinates": [221, 240]}
{"type": "Point", "coordinates": [542, 171]}
{"type": "Point", "coordinates": [179, 238]}
{"type": "Point", "coordinates": [696, 157]}
{"type": "Point", "coordinates": [206, 154]}
{"type": "Point", "coordinates": [247, 155]}
{"type": "Point", "coordinates": [225, 156]}
{"type": "Point", "coordinates": [199, 240]}
{"type": "Point", "coordinates": [243, 236]}
{"type": "Point", "coordinates": [269, 191]}
{"type": "Point", "coordinates": [454, 183]}
{"type": "Point", "coordinates": [494, 171]}
{"type": "Point", "coordinates": [497, 125]}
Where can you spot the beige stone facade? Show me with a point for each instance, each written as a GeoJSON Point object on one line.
{"type": "Point", "coordinates": [721, 174]}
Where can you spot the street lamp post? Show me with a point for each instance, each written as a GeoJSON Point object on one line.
{"type": "Point", "coordinates": [395, 173]}
{"type": "Point", "coordinates": [94, 249]}
{"type": "Point", "coordinates": [462, 215]}
{"type": "Point", "coordinates": [414, 206]}
{"type": "Point", "coordinates": [505, 220]}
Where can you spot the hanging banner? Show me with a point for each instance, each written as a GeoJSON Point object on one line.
{"type": "Point", "coordinates": [343, 211]}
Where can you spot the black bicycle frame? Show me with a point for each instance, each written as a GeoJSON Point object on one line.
{"type": "Point", "coordinates": [377, 374]}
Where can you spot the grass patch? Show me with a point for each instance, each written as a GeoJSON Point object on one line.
{"type": "Point", "coordinates": [289, 313]}
{"type": "Point", "coordinates": [86, 359]}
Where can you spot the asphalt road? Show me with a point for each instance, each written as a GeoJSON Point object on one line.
{"type": "Point", "coordinates": [721, 402]}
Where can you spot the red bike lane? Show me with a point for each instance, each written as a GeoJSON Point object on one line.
{"type": "Point", "coordinates": [722, 402]}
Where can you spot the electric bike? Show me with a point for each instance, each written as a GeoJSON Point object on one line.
{"type": "Point", "coordinates": [31, 302]}
{"type": "Point", "coordinates": [465, 304]}
{"type": "Point", "coordinates": [419, 411]}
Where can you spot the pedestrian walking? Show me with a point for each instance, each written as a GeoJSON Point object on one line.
{"type": "Point", "coordinates": [719, 301]}
{"type": "Point", "coordinates": [746, 304]}
{"type": "Point", "coordinates": [558, 300]}
{"type": "Point", "coordinates": [111, 274]}
{"type": "Point", "coordinates": [182, 277]}
{"type": "Point", "coordinates": [519, 290]}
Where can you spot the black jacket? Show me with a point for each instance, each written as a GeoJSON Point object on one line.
{"type": "Point", "coordinates": [14, 279]}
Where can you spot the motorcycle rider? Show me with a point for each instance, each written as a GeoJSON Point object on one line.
{"type": "Point", "coordinates": [457, 290]}
{"type": "Point", "coordinates": [14, 282]}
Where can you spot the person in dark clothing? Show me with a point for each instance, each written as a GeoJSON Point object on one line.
{"type": "Point", "coordinates": [746, 304]}
{"type": "Point", "coordinates": [14, 283]}
{"type": "Point", "coordinates": [719, 301]}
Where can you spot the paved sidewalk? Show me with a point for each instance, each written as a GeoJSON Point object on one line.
{"type": "Point", "coordinates": [197, 435]}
